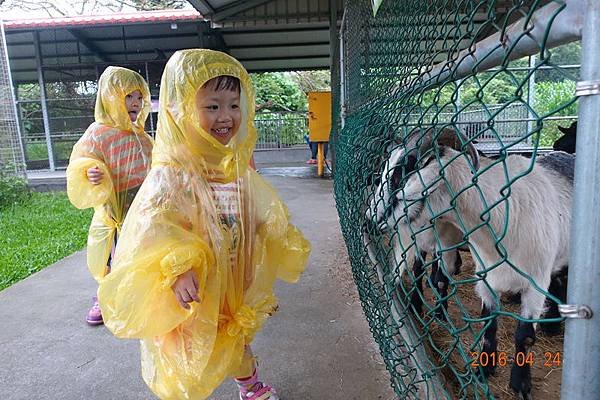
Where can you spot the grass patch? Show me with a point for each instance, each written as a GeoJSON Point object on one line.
{"type": "Point", "coordinates": [37, 232]}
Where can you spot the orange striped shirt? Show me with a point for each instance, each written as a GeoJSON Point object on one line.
{"type": "Point", "coordinates": [126, 154]}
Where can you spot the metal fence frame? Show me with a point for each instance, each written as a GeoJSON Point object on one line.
{"type": "Point", "coordinates": [280, 130]}
{"type": "Point", "coordinates": [581, 371]}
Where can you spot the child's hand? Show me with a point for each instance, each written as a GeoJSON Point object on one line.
{"type": "Point", "coordinates": [186, 289]}
{"type": "Point", "coordinates": [94, 175]}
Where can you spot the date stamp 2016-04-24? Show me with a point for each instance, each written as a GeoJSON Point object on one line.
{"type": "Point", "coordinates": [501, 359]}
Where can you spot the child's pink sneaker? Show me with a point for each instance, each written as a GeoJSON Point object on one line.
{"type": "Point", "coordinates": [259, 392]}
{"type": "Point", "coordinates": [94, 316]}
{"type": "Point", "coordinates": [253, 389]}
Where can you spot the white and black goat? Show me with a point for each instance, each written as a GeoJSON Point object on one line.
{"type": "Point", "coordinates": [517, 218]}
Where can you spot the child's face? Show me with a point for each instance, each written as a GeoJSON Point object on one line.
{"type": "Point", "coordinates": [219, 112]}
{"type": "Point", "coordinates": [133, 102]}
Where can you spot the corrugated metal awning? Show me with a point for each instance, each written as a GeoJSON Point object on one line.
{"type": "Point", "coordinates": [272, 35]}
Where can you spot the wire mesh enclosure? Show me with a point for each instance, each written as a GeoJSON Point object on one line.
{"type": "Point", "coordinates": [438, 213]}
{"type": "Point", "coordinates": [11, 151]}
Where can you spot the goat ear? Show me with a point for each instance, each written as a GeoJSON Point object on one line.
{"type": "Point", "coordinates": [454, 139]}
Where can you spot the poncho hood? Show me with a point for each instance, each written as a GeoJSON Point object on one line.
{"type": "Point", "coordinates": [114, 85]}
{"type": "Point", "coordinates": [180, 139]}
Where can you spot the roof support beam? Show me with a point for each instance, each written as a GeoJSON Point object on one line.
{"type": "Point", "coordinates": [217, 39]}
{"type": "Point", "coordinates": [88, 44]}
{"type": "Point", "coordinates": [202, 28]}
{"type": "Point", "coordinates": [236, 8]}
{"type": "Point", "coordinates": [202, 6]}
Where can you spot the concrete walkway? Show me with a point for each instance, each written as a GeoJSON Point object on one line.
{"type": "Point", "coordinates": [318, 347]}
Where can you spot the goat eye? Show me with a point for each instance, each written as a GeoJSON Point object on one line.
{"type": "Point", "coordinates": [401, 171]}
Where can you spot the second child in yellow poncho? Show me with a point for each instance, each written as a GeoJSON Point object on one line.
{"type": "Point", "coordinates": [204, 240]}
{"type": "Point", "coordinates": [109, 163]}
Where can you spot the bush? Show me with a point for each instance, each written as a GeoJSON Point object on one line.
{"type": "Point", "coordinates": [12, 189]}
{"type": "Point", "coordinates": [293, 130]}
{"type": "Point", "coordinates": [554, 99]}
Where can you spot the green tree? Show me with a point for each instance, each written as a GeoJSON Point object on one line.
{"type": "Point", "coordinates": [278, 90]}
{"type": "Point", "coordinates": [312, 81]}
{"type": "Point", "coordinates": [554, 99]}
{"type": "Point", "coordinates": [567, 54]}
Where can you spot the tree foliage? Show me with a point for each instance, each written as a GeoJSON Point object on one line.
{"type": "Point", "coordinates": [88, 7]}
{"type": "Point", "coordinates": [312, 81]}
{"type": "Point", "coordinates": [279, 90]}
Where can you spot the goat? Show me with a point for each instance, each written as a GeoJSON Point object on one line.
{"type": "Point", "coordinates": [568, 141]}
{"type": "Point", "coordinates": [430, 172]}
{"type": "Point", "coordinates": [450, 238]}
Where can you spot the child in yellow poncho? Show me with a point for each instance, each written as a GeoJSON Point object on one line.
{"type": "Point", "coordinates": [109, 163]}
{"type": "Point", "coordinates": [204, 240]}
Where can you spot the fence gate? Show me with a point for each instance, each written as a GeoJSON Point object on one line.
{"type": "Point", "coordinates": [436, 214]}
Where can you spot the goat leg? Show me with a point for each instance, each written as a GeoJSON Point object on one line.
{"type": "Point", "coordinates": [490, 342]}
{"type": "Point", "coordinates": [440, 282]}
{"type": "Point", "coordinates": [417, 294]}
{"type": "Point", "coordinates": [558, 288]}
{"type": "Point", "coordinates": [458, 263]}
{"type": "Point", "coordinates": [520, 374]}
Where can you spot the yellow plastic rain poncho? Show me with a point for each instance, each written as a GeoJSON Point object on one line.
{"type": "Point", "coordinates": [175, 224]}
{"type": "Point", "coordinates": [121, 150]}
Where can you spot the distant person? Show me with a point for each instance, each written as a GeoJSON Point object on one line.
{"type": "Point", "coordinates": [204, 240]}
{"type": "Point", "coordinates": [109, 163]}
{"type": "Point", "coordinates": [314, 149]}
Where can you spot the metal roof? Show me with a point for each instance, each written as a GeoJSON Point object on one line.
{"type": "Point", "coordinates": [265, 35]}
{"type": "Point", "coordinates": [104, 19]}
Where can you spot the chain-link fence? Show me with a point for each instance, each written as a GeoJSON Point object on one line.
{"type": "Point", "coordinates": [11, 151]}
{"type": "Point", "coordinates": [439, 217]}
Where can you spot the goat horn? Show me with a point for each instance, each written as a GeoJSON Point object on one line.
{"type": "Point", "coordinates": [417, 135]}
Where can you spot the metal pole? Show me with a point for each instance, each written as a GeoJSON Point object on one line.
{"type": "Point", "coordinates": [43, 99]}
{"type": "Point", "coordinates": [342, 73]}
{"type": "Point", "coordinates": [581, 368]}
{"type": "Point", "coordinates": [20, 126]}
{"type": "Point", "coordinates": [531, 97]}
{"type": "Point", "coordinates": [148, 81]}
{"type": "Point", "coordinates": [202, 28]}
{"type": "Point", "coordinates": [334, 78]}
